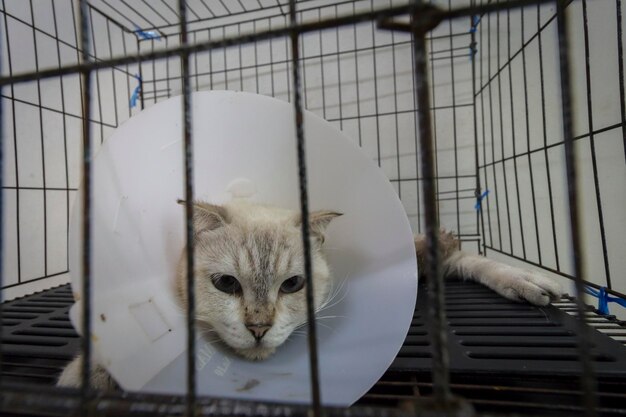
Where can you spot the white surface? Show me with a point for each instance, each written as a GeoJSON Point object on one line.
{"type": "Point", "coordinates": [243, 143]}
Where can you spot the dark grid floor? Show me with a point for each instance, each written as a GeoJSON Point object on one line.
{"type": "Point", "coordinates": [504, 356]}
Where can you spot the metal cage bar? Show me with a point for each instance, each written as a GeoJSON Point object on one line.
{"type": "Point", "coordinates": [588, 381]}
{"type": "Point", "coordinates": [84, 47]}
{"type": "Point", "coordinates": [189, 213]}
{"type": "Point", "coordinates": [304, 213]}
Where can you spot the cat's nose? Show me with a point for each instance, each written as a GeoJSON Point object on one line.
{"type": "Point", "coordinates": [258, 330]}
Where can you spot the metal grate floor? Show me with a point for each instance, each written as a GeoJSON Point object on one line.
{"type": "Point", "coordinates": [37, 336]}
{"type": "Point", "coordinates": [504, 356]}
{"type": "Point", "coordinates": [489, 333]}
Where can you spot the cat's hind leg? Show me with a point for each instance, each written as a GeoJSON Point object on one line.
{"type": "Point", "coordinates": [99, 378]}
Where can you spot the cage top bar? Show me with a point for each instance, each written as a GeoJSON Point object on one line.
{"type": "Point", "coordinates": [301, 28]}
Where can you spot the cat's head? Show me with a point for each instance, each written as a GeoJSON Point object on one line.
{"type": "Point", "coordinates": [249, 273]}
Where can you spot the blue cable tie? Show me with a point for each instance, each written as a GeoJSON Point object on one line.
{"type": "Point", "coordinates": [147, 34]}
{"type": "Point", "coordinates": [604, 299]}
{"type": "Point", "coordinates": [472, 52]}
{"type": "Point", "coordinates": [479, 200]}
{"type": "Point", "coordinates": [475, 22]}
{"type": "Point", "coordinates": [135, 96]}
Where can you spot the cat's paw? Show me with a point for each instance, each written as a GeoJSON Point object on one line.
{"type": "Point", "coordinates": [527, 286]}
{"type": "Point", "coordinates": [256, 354]}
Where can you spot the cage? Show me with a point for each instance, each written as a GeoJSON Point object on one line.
{"type": "Point", "coordinates": [501, 120]}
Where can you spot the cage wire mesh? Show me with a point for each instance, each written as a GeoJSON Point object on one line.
{"type": "Point", "coordinates": [495, 72]}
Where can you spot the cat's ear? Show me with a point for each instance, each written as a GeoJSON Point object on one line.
{"type": "Point", "coordinates": [319, 221]}
{"type": "Point", "coordinates": [208, 216]}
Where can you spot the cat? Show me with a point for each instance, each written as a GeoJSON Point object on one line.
{"type": "Point", "coordinates": [249, 283]}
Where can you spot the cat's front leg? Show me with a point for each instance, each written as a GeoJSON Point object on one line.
{"type": "Point", "coordinates": [513, 283]}
{"type": "Point", "coordinates": [510, 282]}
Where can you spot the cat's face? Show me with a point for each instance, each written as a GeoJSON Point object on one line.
{"type": "Point", "coordinates": [249, 273]}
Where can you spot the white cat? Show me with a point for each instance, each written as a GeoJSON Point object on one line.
{"type": "Point", "coordinates": [249, 282]}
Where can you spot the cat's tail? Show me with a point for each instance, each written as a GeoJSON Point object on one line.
{"type": "Point", "coordinates": [448, 246]}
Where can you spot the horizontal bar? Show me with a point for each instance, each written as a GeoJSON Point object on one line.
{"type": "Point", "coordinates": [34, 280]}
{"type": "Point", "coordinates": [61, 401]}
{"type": "Point", "coordinates": [553, 145]}
{"type": "Point", "coordinates": [439, 177]}
{"type": "Point", "coordinates": [264, 35]}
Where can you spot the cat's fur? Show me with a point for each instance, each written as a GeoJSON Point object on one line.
{"type": "Point", "coordinates": [513, 283]}
{"type": "Point", "coordinates": [262, 247]}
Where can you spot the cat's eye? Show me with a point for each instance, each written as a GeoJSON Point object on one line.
{"type": "Point", "coordinates": [292, 284]}
{"type": "Point", "coordinates": [226, 283]}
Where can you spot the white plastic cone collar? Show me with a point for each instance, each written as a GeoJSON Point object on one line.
{"type": "Point", "coordinates": [244, 146]}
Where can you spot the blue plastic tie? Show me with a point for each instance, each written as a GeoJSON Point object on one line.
{"type": "Point", "coordinates": [472, 52]}
{"type": "Point", "coordinates": [147, 34]}
{"type": "Point", "coordinates": [479, 200]}
{"type": "Point", "coordinates": [604, 299]}
{"type": "Point", "coordinates": [475, 22]}
{"type": "Point", "coordinates": [135, 96]}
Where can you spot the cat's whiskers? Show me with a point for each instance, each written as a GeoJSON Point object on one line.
{"type": "Point", "coordinates": [335, 291]}
{"type": "Point", "coordinates": [329, 317]}
{"type": "Point", "coordinates": [333, 301]}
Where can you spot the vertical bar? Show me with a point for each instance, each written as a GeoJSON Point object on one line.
{"type": "Point", "coordinates": [545, 141]}
{"type": "Point", "coordinates": [416, 141]}
{"type": "Point", "coordinates": [436, 306]}
{"type": "Point", "coordinates": [287, 41]}
{"type": "Point", "coordinates": [95, 53]}
{"type": "Point", "coordinates": [484, 135]}
{"type": "Point", "coordinates": [321, 40]}
{"type": "Point", "coordinates": [592, 149]}
{"type": "Point", "coordinates": [84, 47]}
{"type": "Point", "coordinates": [271, 42]}
{"type": "Point", "coordinates": [500, 118]}
{"type": "Point", "coordinates": [195, 64]}
{"type": "Point", "coordinates": [240, 60]}
{"type": "Point", "coordinates": [210, 62]}
{"type": "Point", "coordinates": [65, 150]}
{"type": "Point", "coordinates": [113, 69]}
{"type": "Point", "coordinates": [480, 222]}
{"type": "Point", "coordinates": [41, 141]}
{"type": "Point", "coordinates": [454, 127]}
{"type": "Point", "coordinates": [188, 150]}
{"type": "Point", "coordinates": [587, 378]}
{"type": "Point", "coordinates": [225, 60]}
{"type": "Point", "coordinates": [376, 110]}
{"type": "Point", "coordinates": [256, 59]}
{"type": "Point", "coordinates": [527, 120]}
{"type": "Point", "coordinates": [620, 63]}
{"type": "Point", "coordinates": [15, 147]}
{"type": "Point", "coordinates": [433, 105]}
{"type": "Point", "coordinates": [395, 106]}
{"type": "Point", "coordinates": [154, 73]}
{"type": "Point", "coordinates": [356, 78]}
{"type": "Point", "coordinates": [1, 210]}
{"type": "Point", "coordinates": [493, 148]}
{"type": "Point", "coordinates": [304, 209]}
{"type": "Point", "coordinates": [513, 138]}
{"type": "Point", "coordinates": [156, 92]}
{"type": "Point", "coordinates": [339, 74]}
